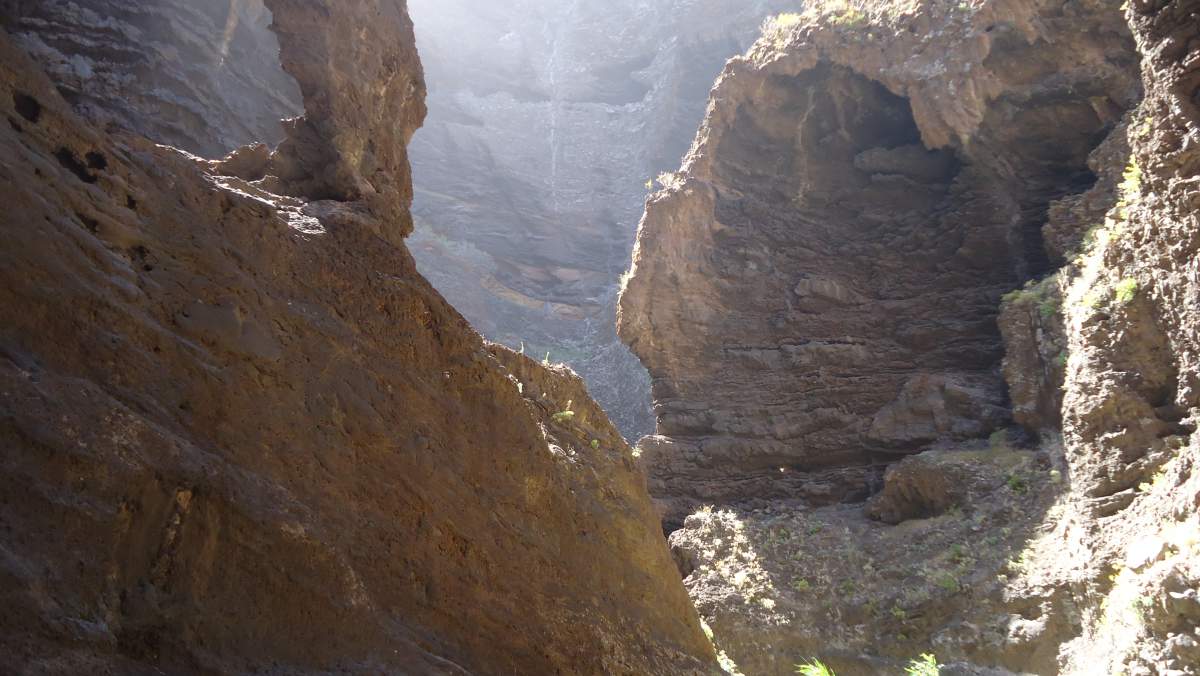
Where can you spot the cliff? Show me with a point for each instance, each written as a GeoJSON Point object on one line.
{"type": "Point", "coordinates": [918, 312]}
{"type": "Point", "coordinates": [818, 291]}
{"type": "Point", "coordinates": [242, 433]}
{"type": "Point", "coordinates": [201, 75]}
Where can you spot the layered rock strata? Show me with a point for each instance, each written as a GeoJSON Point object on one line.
{"type": "Point", "coordinates": [816, 295]}
{"type": "Point", "coordinates": [1066, 543]}
{"type": "Point", "coordinates": [242, 433]}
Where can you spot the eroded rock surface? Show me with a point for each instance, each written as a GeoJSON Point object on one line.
{"type": "Point", "coordinates": [820, 288]}
{"type": "Point", "coordinates": [822, 293]}
{"type": "Point", "coordinates": [242, 433]}
{"type": "Point", "coordinates": [201, 75]}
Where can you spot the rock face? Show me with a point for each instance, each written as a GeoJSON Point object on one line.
{"type": "Point", "coordinates": [547, 119]}
{"type": "Point", "coordinates": [201, 75]}
{"type": "Point", "coordinates": [823, 291]}
{"type": "Point", "coordinates": [1132, 398]}
{"type": "Point", "coordinates": [242, 433]}
{"type": "Point", "coordinates": [819, 288]}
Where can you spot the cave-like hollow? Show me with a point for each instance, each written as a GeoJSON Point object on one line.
{"type": "Point", "coordinates": [855, 278]}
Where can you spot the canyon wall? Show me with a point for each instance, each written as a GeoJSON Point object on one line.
{"type": "Point", "coordinates": [817, 294]}
{"type": "Point", "coordinates": [241, 432]}
{"type": "Point", "coordinates": [202, 76]}
{"type": "Point", "coordinates": [885, 428]}
{"type": "Point", "coordinates": [547, 121]}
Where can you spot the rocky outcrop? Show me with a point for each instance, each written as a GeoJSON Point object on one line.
{"type": "Point", "coordinates": [1132, 399]}
{"type": "Point", "coordinates": [364, 97]}
{"type": "Point", "coordinates": [819, 288]}
{"type": "Point", "coordinates": [242, 433]}
{"type": "Point", "coordinates": [781, 585]}
{"type": "Point", "coordinates": [547, 120]}
{"type": "Point", "coordinates": [829, 287]}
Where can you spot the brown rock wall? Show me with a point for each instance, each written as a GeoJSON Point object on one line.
{"type": "Point", "coordinates": [820, 287]}
{"type": "Point", "coordinates": [241, 433]}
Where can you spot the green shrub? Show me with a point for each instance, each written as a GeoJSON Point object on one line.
{"type": "Point", "coordinates": [925, 665]}
{"type": "Point", "coordinates": [1017, 484]}
{"type": "Point", "coordinates": [1131, 184]}
{"type": "Point", "coordinates": [566, 415]}
{"type": "Point", "coordinates": [1040, 293]}
{"type": "Point", "coordinates": [848, 16]}
{"type": "Point", "coordinates": [948, 582]}
{"type": "Point", "coordinates": [776, 28]}
{"type": "Point", "coordinates": [959, 555]}
{"type": "Point", "coordinates": [814, 667]}
{"type": "Point", "coordinates": [1094, 299]}
{"type": "Point", "coordinates": [1049, 307]}
{"type": "Point", "coordinates": [1018, 296]}
{"type": "Point", "coordinates": [1126, 290]}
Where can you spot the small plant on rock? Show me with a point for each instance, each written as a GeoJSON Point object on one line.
{"type": "Point", "coordinates": [1017, 484]}
{"type": "Point", "coordinates": [1126, 290]}
{"type": "Point", "coordinates": [814, 667]}
{"type": "Point", "coordinates": [1094, 299]}
{"type": "Point", "coordinates": [958, 554]}
{"type": "Point", "coordinates": [669, 179]}
{"type": "Point", "coordinates": [1131, 183]}
{"type": "Point", "coordinates": [776, 28]}
{"type": "Point", "coordinates": [948, 582]}
{"type": "Point", "coordinates": [842, 13]}
{"type": "Point", "coordinates": [1049, 307]}
{"type": "Point", "coordinates": [566, 415]}
{"type": "Point", "coordinates": [925, 665]}
{"type": "Point", "coordinates": [727, 664]}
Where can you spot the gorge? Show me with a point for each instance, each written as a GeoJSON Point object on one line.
{"type": "Point", "coordinates": [918, 317]}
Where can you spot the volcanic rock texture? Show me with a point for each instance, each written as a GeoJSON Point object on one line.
{"type": "Point", "coordinates": [817, 294]}
{"type": "Point", "coordinates": [201, 75]}
{"type": "Point", "coordinates": [547, 120]}
{"type": "Point", "coordinates": [823, 292]}
{"type": "Point", "coordinates": [241, 433]}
